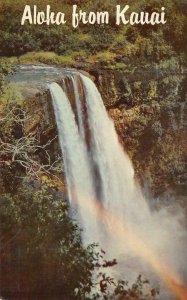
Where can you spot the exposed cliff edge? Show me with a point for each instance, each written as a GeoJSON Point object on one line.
{"type": "Point", "coordinates": [149, 108]}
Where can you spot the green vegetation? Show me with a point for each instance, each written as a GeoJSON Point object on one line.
{"type": "Point", "coordinates": [149, 115]}
{"type": "Point", "coordinates": [41, 251]}
{"type": "Point", "coordinates": [124, 43]}
{"type": "Point", "coordinates": [42, 254]}
{"type": "Point", "coordinates": [41, 248]}
{"type": "Point", "coordinates": [5, 69]}
{"type": "Point", "coordinates": [46, 58]}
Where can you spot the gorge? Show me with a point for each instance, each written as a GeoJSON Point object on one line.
{"type": "Point", "coordinates": [105, 197]}
{"type": "Point", "coordinates": [93, 150]}
{"type": "Point", "coordinates": [135, 229]}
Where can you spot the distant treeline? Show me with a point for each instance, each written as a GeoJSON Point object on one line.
{"type": "Point", "coordinates": [154, 42]}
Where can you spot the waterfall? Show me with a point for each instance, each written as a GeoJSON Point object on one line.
{"type": "Point", "coordinates": [76, 162]}
{"type": "Point", "coordinates": [103, 192]}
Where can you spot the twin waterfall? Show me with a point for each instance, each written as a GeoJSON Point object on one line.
{"type": "Point", "coordinates": [104, 196]}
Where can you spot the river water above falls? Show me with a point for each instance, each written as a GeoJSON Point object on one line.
{"type": "Point", "coordinates": [103, 193]}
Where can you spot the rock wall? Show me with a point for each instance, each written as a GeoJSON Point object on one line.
{"type": "Point", "coordinates": [149, 109]}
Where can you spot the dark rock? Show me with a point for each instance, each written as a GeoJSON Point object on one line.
{"type": "Point", "coordinates": [149, 109]}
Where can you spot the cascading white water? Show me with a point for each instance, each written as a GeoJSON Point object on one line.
{"type": "Point", "coordinates": [103, 173]}
{"type": "Point", "coordinates": [78, 174]}
{"type": "Point", "coordinates": [118, 189]}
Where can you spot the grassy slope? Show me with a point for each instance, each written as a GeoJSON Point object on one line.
{"type": "Point", "coordinates": [115, 46]}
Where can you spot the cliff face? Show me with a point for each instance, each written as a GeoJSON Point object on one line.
{"type": "Point", "coordinates": [149, 109]}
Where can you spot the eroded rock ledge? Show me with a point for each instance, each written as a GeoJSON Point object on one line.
{"type": "Point", "coordinates": [149, 108]}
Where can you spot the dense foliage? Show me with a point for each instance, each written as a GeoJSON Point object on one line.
{"type": "Point", "coordinates": [150, 43]}
{"type": "Point", "coordinates": [150, 119]}
{"type": "Point", "coordinates": [42, 254]}
{"type": "Point", "coordinates": [5, 69]}
{"type": "Point", "coordinates": [41, 251]}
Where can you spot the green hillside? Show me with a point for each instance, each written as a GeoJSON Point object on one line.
{"type": "Point", "coordinates": [95, 42]}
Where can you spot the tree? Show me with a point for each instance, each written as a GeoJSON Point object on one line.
{"type": "Point", "coordinates": [42, 253]}
{"type": "Point", "coordinates": [23, 151]}
{"type": "Point", "coordinates": [41, 249]}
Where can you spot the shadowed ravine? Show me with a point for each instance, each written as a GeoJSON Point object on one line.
{"type": "Point", "coordinates": [108, 202]}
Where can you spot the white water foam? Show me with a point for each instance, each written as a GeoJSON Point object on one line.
{"type": "Point", "coordinates": [104, 173]}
